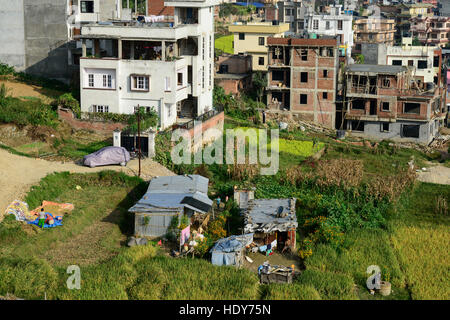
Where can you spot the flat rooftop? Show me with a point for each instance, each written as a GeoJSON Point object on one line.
{"type": "Point", "coordinates": [374, 68]}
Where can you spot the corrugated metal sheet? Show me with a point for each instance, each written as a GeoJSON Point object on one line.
{"type": "Point", "coordinates": [268, 215]}
{"type": "Point", "coordinates": [157, 225]}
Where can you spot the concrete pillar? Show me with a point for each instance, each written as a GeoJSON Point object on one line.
{"type": "Point", "coordinates": [128, 4]}
{"type": "Point", "coordinates": [163, 51]}
{"type": "Point", "coordinates": [135, 8]}
{"type": "Point", "coordinates": [83, 48]}
{"type": "Point", "coordinates": [146, 7]}
{"type": "Point", "coordinates": [116, 138]}
{"type": "Point", "coordinates": [96, 47]}
{"type": "Point", "coordinates": [151, 143]}
{"type": "Point", "coordinates": [175, 49]}
{"type": "Point", "coordinates": [132, 50]}
{"type": "Point", "coordinates": [119, 48]}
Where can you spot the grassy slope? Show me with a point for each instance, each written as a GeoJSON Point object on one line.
{"type": "Point", "coordinates": [225, 44]}
{"type": "Point", "coordinates": [34, 263]}
{"type": "Point", "coordinates": [421, 238]}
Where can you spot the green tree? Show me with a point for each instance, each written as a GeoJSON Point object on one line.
{"type": "Point", "coordinates": [360, 58]}
{"type": "Point", "coordinates": [148, 119]}
{"type": "Point", "coordinates": [416, 42]}
{"type": "Point", "coordinates": [259, 84]}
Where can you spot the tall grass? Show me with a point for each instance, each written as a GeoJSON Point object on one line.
{"type": "Point", "coordinates": [421, 238]}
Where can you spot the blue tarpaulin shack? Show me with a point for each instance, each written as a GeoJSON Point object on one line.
{"type": "Point", "coordinates": [229, 251]}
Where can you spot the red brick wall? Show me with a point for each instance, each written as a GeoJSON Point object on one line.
{"type": "Point", "coordinates": [105, 127]}
{"type": "Point", "coordinates": [236, 64]}
{"type": "Point", "coordinates": [228, 85]}
{"type": "Point", "coordinates": [271, 13]}
{"type": "Point", "coordinates": [215, 122]}
{"type": "Point", "coordinates": [157, 8]}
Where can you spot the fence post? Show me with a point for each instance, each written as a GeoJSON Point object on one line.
{"type": "Point", "coordinates": [116, 138]}
{"type": "Point", "coordinates": [151, 143]}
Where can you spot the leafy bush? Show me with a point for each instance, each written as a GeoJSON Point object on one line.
{"type": "Point", "coordinates": [6, 69]}
{"type": "Point", "coordinates": [68, 101]}
{"type": "Point", "coordinates": [22, 113]}
{"type": "Point", "coordinates": [216, 229]}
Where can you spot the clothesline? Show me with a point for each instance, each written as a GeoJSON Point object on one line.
{"type": "Point", "coordinates": [153, 18]}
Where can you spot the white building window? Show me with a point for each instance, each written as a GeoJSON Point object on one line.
{"type": "Point", "coordinates": [91, 80]}
{"type": "Point", "coordinates": [210, 75]}
{"type": "Point", "coordinates": [315, 24]}
{"type": "Point", "coordinates": [140, 83]}
{"type": "Point", "coordinates": [167, 84]}
{"type": "Point", "coordinates": [146, 109]}
{"type": "Point", "coordinates": [203, 77]}
{"type": "Point", "coordinates": [169, 110]}
{"type": "Point", "coordinates": [87, 6]}
{"type": "Point", "coordinates": [203, 48]}
{"type": "Point", "coordinates": [107, 81]}
{"type": "Point", "coordinates": [210, 47]}
{"type": "Point", "coordinates": [100, 108]}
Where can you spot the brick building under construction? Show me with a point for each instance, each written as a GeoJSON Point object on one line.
{"type": "Point", "coordinates": [302, 79]}
{"type": "Point", "coordinates": [387, 102]}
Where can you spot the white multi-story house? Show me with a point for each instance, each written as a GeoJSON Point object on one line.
{"type": "Point", "coordinates": [423, 60]}
{"type": "Point", "coordinates": [335, 23]}
{"type": "Point", "coordinates": [163, 65]}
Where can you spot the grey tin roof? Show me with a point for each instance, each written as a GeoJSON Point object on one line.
{"type": "Point", "coordinates": [174, 193]}
{"type": "Point", "coordinates": [262, 215]}
{"type": "Point", "coordinates": [374, 68]}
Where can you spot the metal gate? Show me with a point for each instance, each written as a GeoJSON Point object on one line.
{"type": "Point", "coordinates": [131, 143]}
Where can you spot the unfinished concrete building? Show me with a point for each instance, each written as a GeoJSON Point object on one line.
{"type": "Point", "coordinates": [302, 79]}
{"type": "Point", "coordinates": [373, 30]}
{"type": "Point", "coordinates": [39, 33]}
{"type": "Point", "coordinates": [385, 102]}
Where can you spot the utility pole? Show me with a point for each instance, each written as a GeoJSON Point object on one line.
{"type": "Point", "coordinates": [139, 139]}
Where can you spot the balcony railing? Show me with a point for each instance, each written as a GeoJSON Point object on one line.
{"type": "Point", "coordinates": [203, 117]}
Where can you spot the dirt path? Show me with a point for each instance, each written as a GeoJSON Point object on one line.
{"type": "Point", "coordinates": [435, 174]}
{"type": "Point", "coordinates": [18, 89]}
{"type": "Point", "coordinates": [18, 174]}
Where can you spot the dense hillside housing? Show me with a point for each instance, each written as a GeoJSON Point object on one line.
{"type": "Point", "coordinates": [335, 23]}
{"type": "Point", "coordinates": [431, 30]}
{"type": "Point", "coordinates": [251, 39]}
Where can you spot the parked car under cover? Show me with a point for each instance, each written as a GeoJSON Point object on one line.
{"type": "Point", "coordinates": [107, 156]}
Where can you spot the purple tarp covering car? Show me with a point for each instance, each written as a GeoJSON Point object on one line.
{"type": "Point", "coordinates": [107, 156]}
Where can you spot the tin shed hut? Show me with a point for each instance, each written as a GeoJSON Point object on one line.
{"type": "Point", "coordinates": [270, 220]}
{"type": "Point", "coordinates": [230, 251]}
{"type": "Point", "coordinates": [169, 197]}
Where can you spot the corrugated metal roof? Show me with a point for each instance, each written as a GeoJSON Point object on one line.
{"type": "Point", "coordinates": [179, 184]}
{"type": "Point", "coordinates": [268, 215]}
{"type": "Point", "coordinates": [174, 193]}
